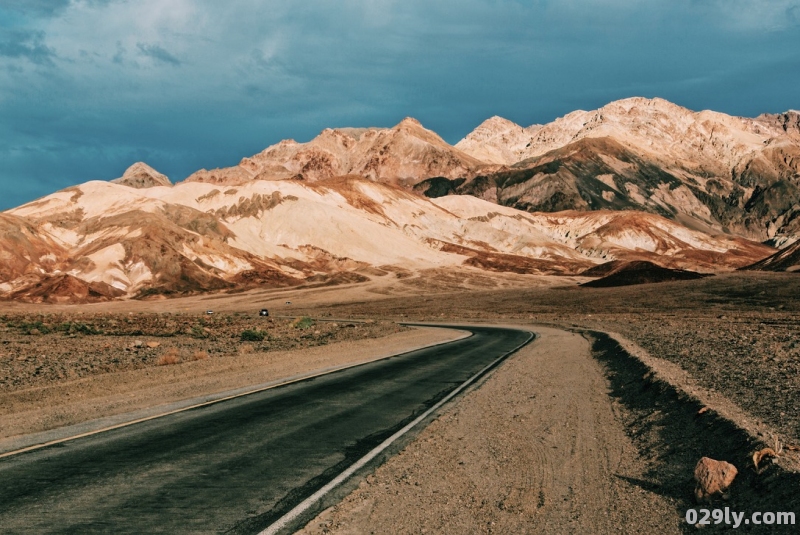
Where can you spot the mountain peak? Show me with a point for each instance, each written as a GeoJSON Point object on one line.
{"type": "Point", "coordinates": [497, 141]}
{"type": "Point", "coordinates": [140, 175]}
{"type": "Point", "coordinates": [408, 122]}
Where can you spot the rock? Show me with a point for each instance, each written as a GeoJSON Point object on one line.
{"type": "Point", "coordinates": [138, 343]}
{"type": "Point", "coordinates": [713, 478]}
{"type": "Point", "coordinates": [153, 345]}
{"type": "Point", "coordinates": [140, 175]}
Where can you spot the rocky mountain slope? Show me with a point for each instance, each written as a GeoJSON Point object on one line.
{"type": "Point", "coordinates": [706, 169]}
{"type": "Point", "coordinates": [141, 175]}
{"type": "Point", "coordinates": [710, 171]}
{"type": "Point", "coordinates": [638, 180]}
{"type": "Point", "coordinates": [101, 240]}
{"type": "Point", "coordinates": [406, 153]}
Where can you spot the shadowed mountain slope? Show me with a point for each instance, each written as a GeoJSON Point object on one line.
{"type": "Point", "coordinates": [787, 259]}
{"type": "Point", "coordinates": [640, 272]}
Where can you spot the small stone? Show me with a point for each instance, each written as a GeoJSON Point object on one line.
{"type": "Point", "coordinates": [713, 478]}
{"type": "Point", "coordinates": [153, 345]}
{"type": "Point", "coordinates": [138, 343]}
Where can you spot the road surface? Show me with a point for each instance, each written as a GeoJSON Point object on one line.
{"type": "Point", "coordinates": [238, 465]}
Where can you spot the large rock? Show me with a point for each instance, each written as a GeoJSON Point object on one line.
{"type": "Point", "coordinates": [713, 478]}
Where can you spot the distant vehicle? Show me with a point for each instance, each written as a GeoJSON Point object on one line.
{"type": "Point", "coordinates": [264, 312]}
{"type": "Point", "coordinates": [209, 312]}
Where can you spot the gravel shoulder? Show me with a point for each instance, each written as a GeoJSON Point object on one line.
{"type": "Point", "coordinates": [118, 396]}
{"type": "Point", "coordinates": [537, 448]}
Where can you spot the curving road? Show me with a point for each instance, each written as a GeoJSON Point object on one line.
{"type": "Point", "coordinates": [239, 465]}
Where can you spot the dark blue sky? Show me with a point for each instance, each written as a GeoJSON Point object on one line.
{"type": "Point", "coordinates": [88, 87]}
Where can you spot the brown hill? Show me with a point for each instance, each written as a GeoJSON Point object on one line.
{"type": "Point", "coordinates": [637, 272]}
{"type": "Point", "coordinates": [65, 288]}
{"type": "Point", "coordinates": [26, 250]}
{"type": "Point", "coordinates": [787, 259]}
{"type": "Point", "coordinates": [636, 180]}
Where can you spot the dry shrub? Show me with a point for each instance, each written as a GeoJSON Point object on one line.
{"type": "Point", "coordinates": [245, 349]}
{"type": "Point", "coordinates": [303, 323]}
{"type": "Point", "coordinates": [200, 355]}
{"type": "Point", "coordinates": [169, 357]}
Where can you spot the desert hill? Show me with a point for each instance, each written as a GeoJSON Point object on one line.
{"type": "Point", "coordinates": [639, 180]}
{"type": "Point", "coordinates": [196, 236]}
{"type": "Point", "coordinates": [406, 153]}
{"type": "Point", "coordinates": [706, 169]}
{"type": "Point", "coordinates": [787, 259]}
{"type": "Point", "coordinates": [618, 273]}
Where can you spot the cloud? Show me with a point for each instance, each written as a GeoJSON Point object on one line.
{"type": "Point", "coordinates": [157, 53]}
{"type": "Point", "coordinates": [249, 73]}
{"type": "Point", "coordinates": [28, 45]}
{"type": "Point", "coordinates": [752, 15]}
{"type": "Point", "coordinates": [37, 8]}
{"type": "Point", "coordinates": [48, 8]}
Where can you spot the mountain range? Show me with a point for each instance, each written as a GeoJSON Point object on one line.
{"type": "Point", "coordinates": [637, 180]}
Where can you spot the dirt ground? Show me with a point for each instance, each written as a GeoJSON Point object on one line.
{"type": "Point", "coordinates": [732, 338]}
{"type": "Point", "coordinates": [42, 349]}
{"type": "Point", "coordinates": [737, 334]}
{"type": "Point", "coordinates": [500, 459]}
{"type": "Point", "coordinates": [537, 449]}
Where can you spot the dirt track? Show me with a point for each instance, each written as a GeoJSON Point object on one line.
{"type": "Point", "coordinates": [538, 448]}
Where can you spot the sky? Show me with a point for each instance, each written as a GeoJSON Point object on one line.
{"type": "Point", "coordinates": [88, 87]}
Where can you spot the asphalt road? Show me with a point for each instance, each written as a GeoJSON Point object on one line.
{"type": "Point", "coordinates": [238, 465]}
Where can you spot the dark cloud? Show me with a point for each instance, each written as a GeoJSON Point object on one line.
{"type": "Point", "coordinates": [250, 76]}
{"type": "Point", "coordinates": [28, 45]}
{"type": "Point", "coordinates": [157, 53]}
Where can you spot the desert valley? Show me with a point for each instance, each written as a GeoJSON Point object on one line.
{"type": "Point", "coordinates": [661, 244]}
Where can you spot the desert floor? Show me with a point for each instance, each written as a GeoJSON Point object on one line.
{"type": "Point", "coordinates": [567, 435]}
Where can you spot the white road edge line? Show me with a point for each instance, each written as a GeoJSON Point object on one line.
{"type": "Point", "coordinates": [213, 401]}
{"type": "Point", "coordinates": [303, 506]}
